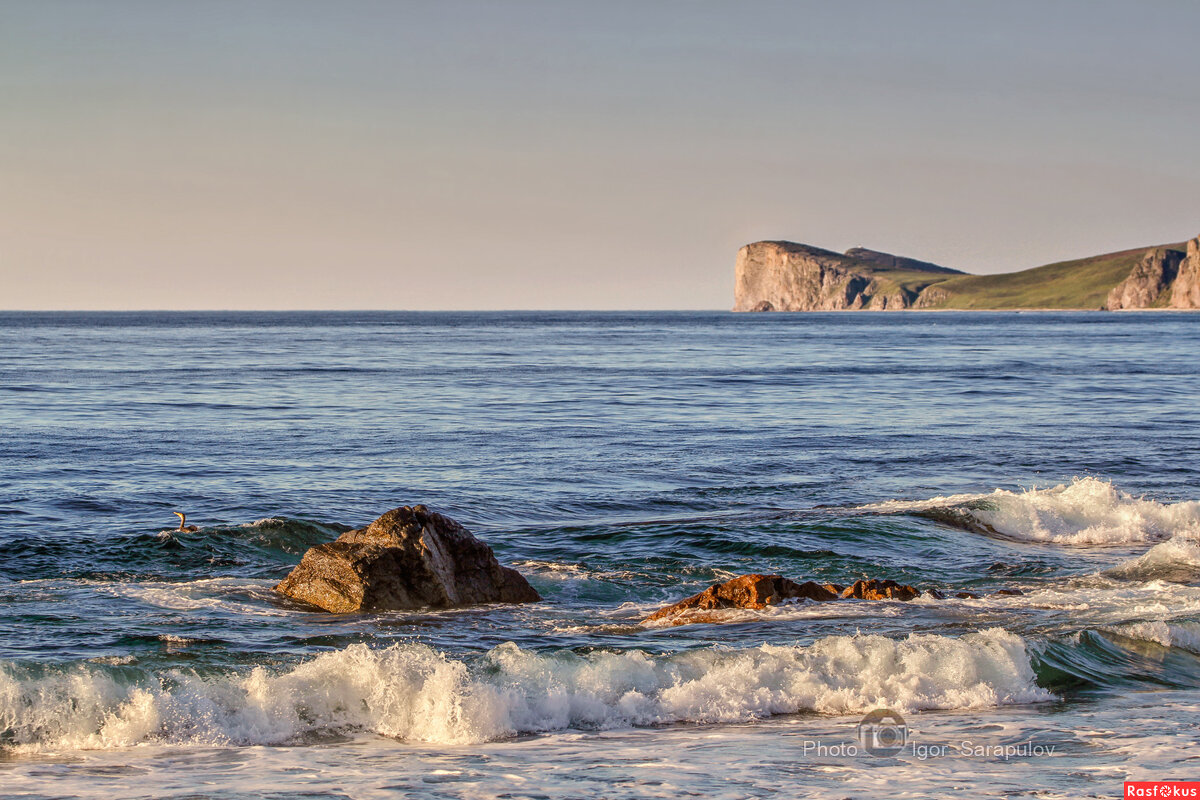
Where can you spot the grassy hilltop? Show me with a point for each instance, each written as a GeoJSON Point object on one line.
{"type": "Point", "coordinates": [1082, 283]}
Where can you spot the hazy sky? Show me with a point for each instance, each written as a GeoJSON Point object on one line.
{"type": "Point", "coordinates": [600, 154]}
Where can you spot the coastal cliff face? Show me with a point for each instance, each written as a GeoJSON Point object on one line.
{"type": "Point", "coordinates": [780, 276]}
{"type": "Point", "coordinates": [1186, 291]}
{"type": "Point", "coordinates": [1146, 284]}
{"type": "Point", "coordinates": [785, 276]}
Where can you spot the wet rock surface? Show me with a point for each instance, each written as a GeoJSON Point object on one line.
{"type": "Point", "coordinates": [879, 590]}
{"type": "Point", "coordinates": [411, 557]}
{"type": "Point", "coordinates": [746, 591]}
{"type": "Point", "coordinates": [757, 591]}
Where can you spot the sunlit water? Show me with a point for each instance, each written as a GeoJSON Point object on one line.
{"type": "Point", "coordinates": [620, 461]}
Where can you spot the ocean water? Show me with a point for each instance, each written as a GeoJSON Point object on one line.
{"type": "Point", "coordinates": [621, 462]}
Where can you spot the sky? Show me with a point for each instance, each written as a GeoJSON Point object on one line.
{"type": "Point", "coordinates": [571, 155]}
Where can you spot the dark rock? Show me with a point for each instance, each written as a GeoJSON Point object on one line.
{"type": "Point", "coordinates": [745, 591]}
{"type": "Point", "coordinates": [966, 595]}
{"type": "Point", "coordinates": [763, 305]}
{"type": "Point", "coordinates": [934, 593]}
{"type": "Point", "coordinates": [1012, 592]}
{"type": "Point", "coordinates": [879, 590]}
{"type": "Point", "coordinates": [410, 557]}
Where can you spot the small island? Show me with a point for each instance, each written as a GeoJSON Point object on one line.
{"type": "Point", "coordinates": [786, 276]}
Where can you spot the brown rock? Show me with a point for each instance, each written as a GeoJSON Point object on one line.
{"type": "Point", "coordinates": [410, 557]}
{"type": "Point", "coordinates": [1147, 281]}
{"type": "Point", "coordinates": [879, 590]}
{"type": "Point", "coordinates": [810, 591]}
{"type": "Point", "coordinates": [836, 588]}
{"type": "Point", "coordinates": [744, 591]}
{"type": "Point", "coordinates": [1186, 291]}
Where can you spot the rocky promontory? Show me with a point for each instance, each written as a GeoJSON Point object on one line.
{"type": "Point", "coordinates": [411, 557]}
{"type": "Point", "coordinates": [787, 276]}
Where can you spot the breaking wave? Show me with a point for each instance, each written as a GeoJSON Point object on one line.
{"type": "Point", "coordinates": [1177, 559]}
{"type": "Point", "coordinates": [1088, 511]}
{"type": "Point", "coordinates": [1182, 634]}
{"type": "Point", "coordinates": [411, 691]}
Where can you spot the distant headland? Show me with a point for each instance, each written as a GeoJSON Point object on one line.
{"type": "Point", "coordinates": [786, 276]}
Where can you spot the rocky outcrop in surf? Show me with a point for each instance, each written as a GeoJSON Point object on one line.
{"type": "Point", "coordinates": [757, 591]}
{"type": "Point", "coordinates": [880, 590]}
{"type": "Point", "coordinates": [411, 557]}
{"type": "Point", "coordinates": [745, 591]}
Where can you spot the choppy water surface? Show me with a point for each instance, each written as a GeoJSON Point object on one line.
{"type": "Point", "coordinates": [620, 461]}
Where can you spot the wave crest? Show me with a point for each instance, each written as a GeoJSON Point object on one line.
{"type": "Point", "coordinates": [1182, 634]}
{"type": "Point", "coordinates": [1088, 511]}
{"type": "Point", "coordinates": [412, 691]}
{"type": "Point", "coordinates": [1177, 560]}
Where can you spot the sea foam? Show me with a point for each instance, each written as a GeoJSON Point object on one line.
{"type": "Point", "coordinates": [411, 691]}
{"type": "Point", "coordinates": [1182, 634]}
{"type": "Point", "coordinates": [1177, 559]}
{"type": "Point", "coordinates": [1087, 511]}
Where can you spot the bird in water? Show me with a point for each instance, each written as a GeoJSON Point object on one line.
{"type": "Point", "coordinates": [183, 526]}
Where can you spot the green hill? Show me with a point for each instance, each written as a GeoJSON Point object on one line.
{"type": "Point", "coordinates": [1082, 283]}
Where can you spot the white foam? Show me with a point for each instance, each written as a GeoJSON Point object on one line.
{"type": "Point", "coordinates": [1086, 511]}
{"type": "Point", "coordinates": [413, 692]}
{"type": "Point", "coordinates": [1185, 635]}
{"type": "Point", "coordinates": [1177, 559]}
{"type": "Point", "coordinates": [1088, 601]}
{"type": "Point", "coordinates": [226, 594]}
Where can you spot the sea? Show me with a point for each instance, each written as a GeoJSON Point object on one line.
{"type": "Point", "coordinates": [620, 461]}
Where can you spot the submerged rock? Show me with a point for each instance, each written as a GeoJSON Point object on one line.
{"type": "Point", "coordinates": [745, 591]}
{"type": "Point", "coordinates": [410, 557]}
